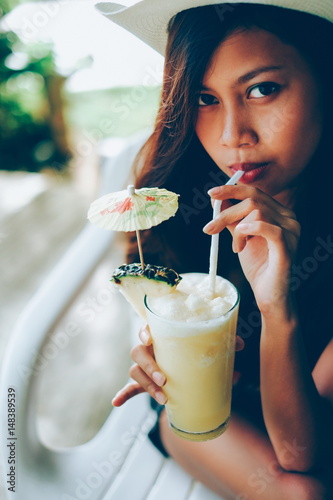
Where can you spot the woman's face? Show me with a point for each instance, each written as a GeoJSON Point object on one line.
{"type": "Point", "coordinates": [260, 111]}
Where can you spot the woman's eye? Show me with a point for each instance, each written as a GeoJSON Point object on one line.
{"type": "Point", "coordinates": [263, 90]}
{"type": "Point", "coordinates": [207, 100]}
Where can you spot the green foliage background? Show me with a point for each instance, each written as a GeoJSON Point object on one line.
{"type": "Point", "coordinates": [28, 140]}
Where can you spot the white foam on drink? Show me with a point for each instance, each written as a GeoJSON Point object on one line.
{"type": "Point", "coordinates": [192, 300]}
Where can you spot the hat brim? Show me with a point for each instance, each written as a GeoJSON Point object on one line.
{"type": "Point", "coordinates": [149, 19]}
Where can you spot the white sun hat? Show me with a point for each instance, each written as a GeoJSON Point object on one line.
{"type": "Point", "coordinates": [149, 19]}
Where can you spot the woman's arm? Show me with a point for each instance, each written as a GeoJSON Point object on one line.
{"type": "Point", "coordinates": [297, 417]}
{"type": "Point", "coordinates": [323, 373]}
{"type": "Point", "coordinates": [265, 236]}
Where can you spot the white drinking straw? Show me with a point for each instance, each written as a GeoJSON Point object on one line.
{"type": "Point", "coordinates": [214, 246]}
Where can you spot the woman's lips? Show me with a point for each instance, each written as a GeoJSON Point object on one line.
{"type": "Point", "coordinates": [253, 171]}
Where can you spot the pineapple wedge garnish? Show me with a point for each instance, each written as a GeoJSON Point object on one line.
{"type": "Point", "coordinates": [134, 283]}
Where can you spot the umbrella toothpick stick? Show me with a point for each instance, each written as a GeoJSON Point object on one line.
{"type": "Point", "coordinates": [131, 192]}
{"type": "Point", "coordinates": [138, 238]}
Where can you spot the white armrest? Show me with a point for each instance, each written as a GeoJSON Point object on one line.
{"type": "Point", "coordinates": [43, 310]}
{"type": "Point", "coordinates": [119, 463]}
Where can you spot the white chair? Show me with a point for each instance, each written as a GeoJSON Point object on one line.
{"type": "Point", "coordinates": [119, 463]}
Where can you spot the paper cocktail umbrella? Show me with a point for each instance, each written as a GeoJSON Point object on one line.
{"type": "Point", "coordinates": [133, 209]}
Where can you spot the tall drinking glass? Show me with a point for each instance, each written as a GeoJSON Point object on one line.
{"type": "Point", "coordinates": [197, 358]}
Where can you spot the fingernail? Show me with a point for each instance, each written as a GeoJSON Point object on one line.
{"type": "Point", "coordinates": [144, 336]}
{"type": "Point", "coordinates": [209, 227]}
{"type": "Point", "coordinates": [161, 398]}
{"type": "Point", "coordinates": [243, 226]}
{"type": "Point", "coordinates": [115, 398]}
{"type": "Point", "coordinates": [240, 343]}
{"type": "Point", "coordinates": [214, 191]}
{"type": "Point", "coordinates": [158, 378]}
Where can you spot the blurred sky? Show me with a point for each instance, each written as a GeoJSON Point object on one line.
{"type": "Point", "coordinates": [78, 31]}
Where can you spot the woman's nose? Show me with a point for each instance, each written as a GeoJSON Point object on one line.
{"type": "Point", "coordinates": [237, 130]}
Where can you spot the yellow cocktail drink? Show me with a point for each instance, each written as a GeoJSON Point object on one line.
{"type": "Point", "coordinates": [194, 344]}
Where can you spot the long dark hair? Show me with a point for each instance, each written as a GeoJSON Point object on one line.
{"type": "Point", "coordinates": [174, 158]}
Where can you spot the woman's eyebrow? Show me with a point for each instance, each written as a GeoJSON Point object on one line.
{"type": "Point", "coordinates": [252, 74]}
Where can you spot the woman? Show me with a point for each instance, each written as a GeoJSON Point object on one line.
{"type": "Point", "coordinates": [248, 87]}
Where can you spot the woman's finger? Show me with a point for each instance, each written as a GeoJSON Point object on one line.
{"type": "Point", "coordinates": [274, 235]}
{"type": "Point", "coordinates": [240, 344]}
{"type": "Point", "coordinates": [145, 336]}
{"type": "Point", "coordinates": [148, 384]}
{"type": "Point", "coordinates": [232, 215]}
{"type": "Point", "coordinates": [273, 226]}
{"type": "Point", "coordinates": [129, 391]}
{"type": "Point", "coordinates": [143, 356]}
{"type": "Point", "coordinates": [241, 193]}
{"type": "Point", "coordinates": [236, 376]}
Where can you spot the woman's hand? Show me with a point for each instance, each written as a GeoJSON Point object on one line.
{"type": "Point", "coordinates": [265, 235]}
{"type": "Point", "coordinates": [146, 373]}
